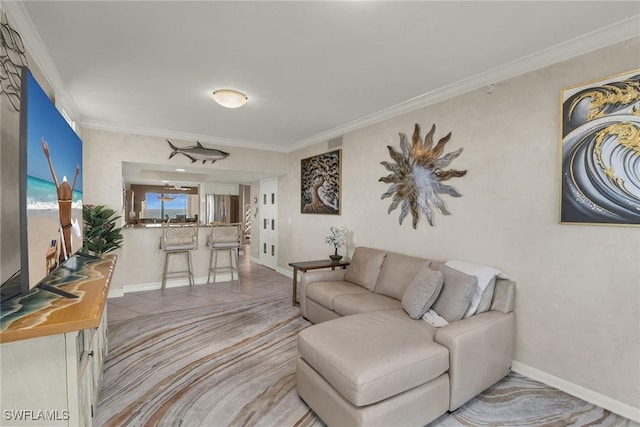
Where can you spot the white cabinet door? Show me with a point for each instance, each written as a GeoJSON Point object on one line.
{"type": "Point", "coordinates": [79, 384]}
{"type": "Point", "coordinates": [52, 380]}
{"type": "Point", "coordinates": [85, 392]}
{"type": "Point", "coordinates": [269, 222]}
{"type": "Point", "coordinates": [34, 381]}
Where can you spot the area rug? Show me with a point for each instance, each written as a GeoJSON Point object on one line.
{"type": "Point", "coordinates": [235, 366]}
{"type": "Point", "coordinates": [521, 401]}
{"type": "Point", "coordinates": [202, 367]}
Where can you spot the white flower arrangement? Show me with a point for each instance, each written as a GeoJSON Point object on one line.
{"type": "Point", "coordinates": [338, 237]}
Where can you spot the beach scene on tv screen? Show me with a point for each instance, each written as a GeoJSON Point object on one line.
{"type": "Point", "coordinates": [54, 185]}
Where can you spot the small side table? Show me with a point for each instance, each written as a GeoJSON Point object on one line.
{"type": "Point", "coordinates": [305, 266]}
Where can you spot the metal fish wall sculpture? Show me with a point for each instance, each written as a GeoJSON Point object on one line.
{"type": "Point", "coordinates": [198, 152]}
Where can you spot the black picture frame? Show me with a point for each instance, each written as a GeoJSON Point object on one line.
{"type": "Point", "coordinates": [321, 184]}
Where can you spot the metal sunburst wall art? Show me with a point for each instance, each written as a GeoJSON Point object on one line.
{"type": "Point", "coordinates": [417, 174]}
{"type": "Point", "coordinates": [12, 57]}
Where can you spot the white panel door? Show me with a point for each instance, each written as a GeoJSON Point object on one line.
{"type": "Point", "coordinates": [269, 222]}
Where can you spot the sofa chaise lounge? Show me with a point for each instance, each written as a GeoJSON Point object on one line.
{"type": "Point", "coordinates": [369, 361]}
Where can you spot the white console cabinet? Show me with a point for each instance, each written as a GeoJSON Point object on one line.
{"type": "Point", "coordinates": [50, 370]}
{"type": "Point", "coordinates": [53, 380]}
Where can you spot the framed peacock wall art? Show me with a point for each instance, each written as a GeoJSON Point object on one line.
{"type": "Point", "coordinates": [320, 179]}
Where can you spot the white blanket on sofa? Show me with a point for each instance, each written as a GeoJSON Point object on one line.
{"type": "Point", "coordinates": [434, 319]}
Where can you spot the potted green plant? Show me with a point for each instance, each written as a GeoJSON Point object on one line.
{"type": "Point", "coordinates": [100, 232]}
{"type": "Point", "coordinates": [336, 239]}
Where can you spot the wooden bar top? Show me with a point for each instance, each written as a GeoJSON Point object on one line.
{"type": "Point", "coordinates": [42, 313]}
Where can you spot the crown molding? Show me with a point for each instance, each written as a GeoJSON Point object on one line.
{"type": "Point", "coordinates": [606, 36]}
{"type": "Point", "coordinates": [615, 33]}
{"type": "Point", "coordinates": [37, 51]}
{"type": "Point", "coordinates": [183, 136]}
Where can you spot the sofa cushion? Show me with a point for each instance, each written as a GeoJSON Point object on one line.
{"type": "Point", "coordinates": [504, 296]}
{"type": "Point", "coordinates": [397, 273]}
{"type": "Point", "coordinates": [317, 313]}
{"type": "Point", "coordinates": [455, 297]}
{"type": "Point", "coordinates": [422, 292]}
{"type": "Point", "coordinates": [348, 304]}
{"type": "Point", "coordinates": [324, 293]}
{"type": "Point", "coordinates": [372, 356]}
{"type": "Point", "coordinates": [365, 267]}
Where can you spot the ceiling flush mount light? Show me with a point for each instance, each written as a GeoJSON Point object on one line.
{"type": "Point", "coordinates": [230, 98]}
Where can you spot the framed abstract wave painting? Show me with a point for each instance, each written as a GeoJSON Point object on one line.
{"type": "Point", "coordinates": [600, 166]}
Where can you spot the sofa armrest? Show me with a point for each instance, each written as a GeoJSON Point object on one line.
{"type": "Point", "coordinates": [316, 276]}
{"type": "Point", "coordinates": [322, 276]}
{"type": "Point", "coordinates": [480, 353]}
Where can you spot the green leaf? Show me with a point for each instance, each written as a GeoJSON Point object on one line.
{"type": "Point", "coordinates": [100, 232]}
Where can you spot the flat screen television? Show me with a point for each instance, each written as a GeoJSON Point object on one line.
{"type": "Point", "coordinates": [50, 190]}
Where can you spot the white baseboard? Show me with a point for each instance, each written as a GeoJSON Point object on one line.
{"type": "Point", "coordinates": [285, 272]}
{"type": "Point", "coordinates": [176, 283]}
{"type": "Point", "coordinates": [171, 283]}
{"type": "Point", "coordinates": [583, 393]}
{"type": "Point", "coordinates": [280, 270]}
{"type": "Point", "coordinates": [117, 293]}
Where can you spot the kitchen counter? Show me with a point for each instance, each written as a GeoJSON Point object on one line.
{"type": "Point", "coordinates": [171, 224]}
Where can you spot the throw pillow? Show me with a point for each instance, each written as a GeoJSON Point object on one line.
{"type": "Point", "coordinates": [455, 297]}
{"type": "Point", "coordinates": [422, 292]}
{"type": "Point", "coordinates": [485, 275]}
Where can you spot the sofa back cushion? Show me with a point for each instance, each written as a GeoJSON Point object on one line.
{"type": "Point", "coordinates": [365, 267]}
{"type": "Point", "coordinates": [504, 296]}
{"type": "Point", "coordinates": [436, 264]}
{"type": "Point", "coordinates": [398, 271]}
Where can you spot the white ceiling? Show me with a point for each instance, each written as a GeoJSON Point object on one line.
{"type": "Point", "coordinates": [312, 70]}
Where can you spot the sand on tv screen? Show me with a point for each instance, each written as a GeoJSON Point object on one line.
{"type": "Point", "coordinates": [54, 185]}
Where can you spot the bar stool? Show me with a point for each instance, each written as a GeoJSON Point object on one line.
{"type": "Point", "coordinates": [224, 237]}
{"type": "Point", "coordinates": [178, 240]}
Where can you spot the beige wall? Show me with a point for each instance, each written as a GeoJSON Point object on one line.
{"type": "Point", "coordinates": [578, 293]}
{"type": "Point", "coordinates": [9, 192]}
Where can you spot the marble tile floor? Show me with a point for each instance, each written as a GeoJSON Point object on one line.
{"type": "Point", "coordinates": [256, 283]}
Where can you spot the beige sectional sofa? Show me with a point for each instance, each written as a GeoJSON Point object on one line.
{"type": "Point", "coordinates": [366, 362]}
